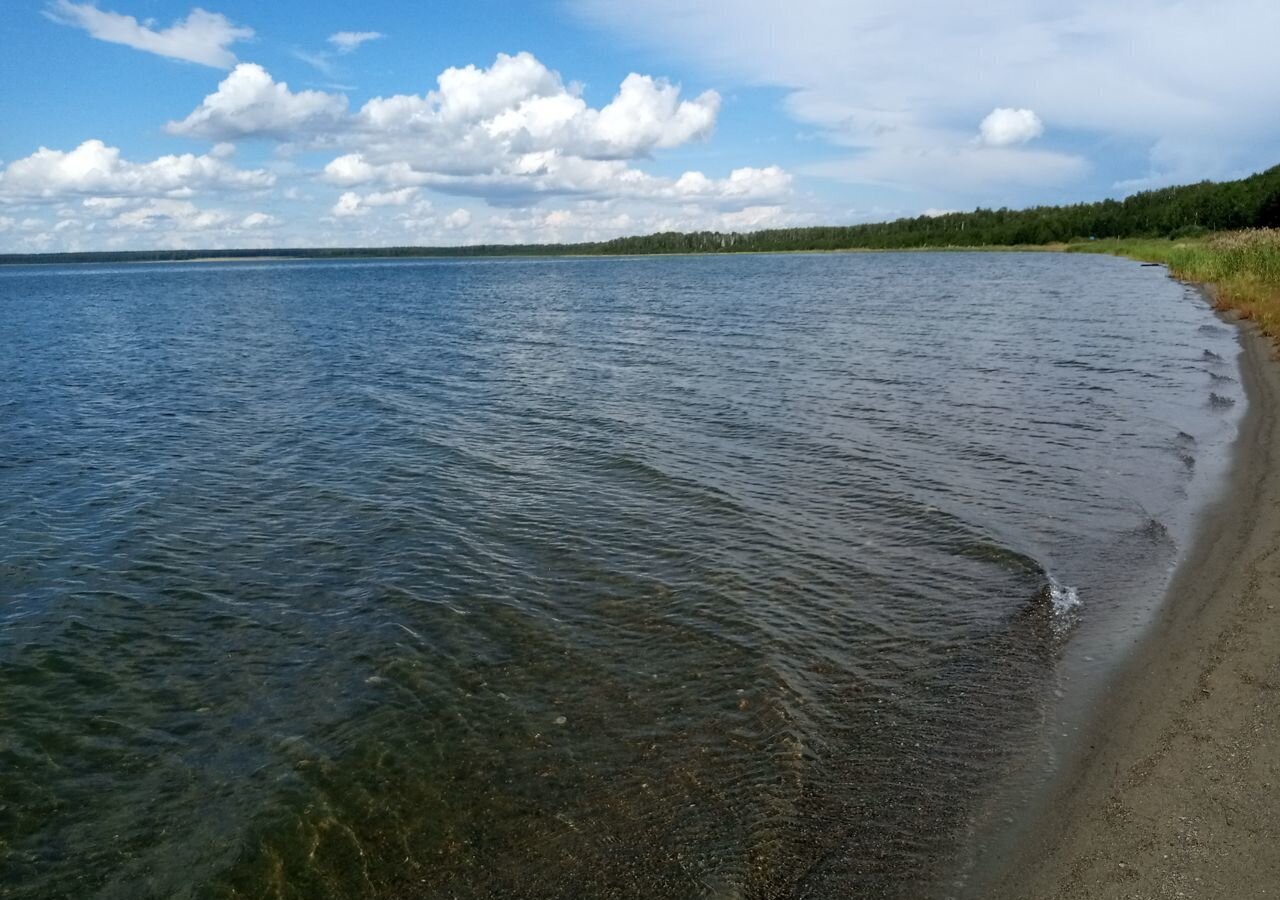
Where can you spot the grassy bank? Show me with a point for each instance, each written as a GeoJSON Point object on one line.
{"type": "Point", "coordinates": [1242, 267]}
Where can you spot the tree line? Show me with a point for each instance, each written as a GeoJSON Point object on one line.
{"type": "Point", "coordinates": [1173, 212]}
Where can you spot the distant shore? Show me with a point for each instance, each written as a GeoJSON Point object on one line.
{"type": "Point", "coordinates": [516, 252]}
{"type": "Point", "coordinates": [1175, 790]}
{"type": "Point", "coordinates": [220, 259]}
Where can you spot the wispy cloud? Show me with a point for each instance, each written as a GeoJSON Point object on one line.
{"type": "Point", "coordinates": [202, 37]}
{"type": "Point", "coordinates": [319, 61]}
{"type": "Point", "coordinates": [347, 41]}
{"type": "Point", "coordinates": [899, 82]}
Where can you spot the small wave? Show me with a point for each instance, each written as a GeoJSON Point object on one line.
{"type": "Point", "coordinates": [1210, 355]}
{"type": "Point", "coordinates": [1064, 607]}
{"type": "Point", "coordinates": [1052, 612]}
{"type": "Point", "coordinates": [1064, 598]}
{"type": "Point", "coordinates": [991, 552]}
{"type": "Point", "coordinates": [1218, 401]}
{"type": "Point", "coordinates": [1153, 529]}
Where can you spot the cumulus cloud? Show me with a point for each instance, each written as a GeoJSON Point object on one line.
{"type": "Point", "coordinates": [353, 204]}
{"type": "Point", "coordinates": [645, 114]}
{"type": "Point", "coordinates": [507, 133]}
{"type": "Point", "coordinates": [513, 134]}
{"type": "Point", "coordinates": [127, 223]}
{"type": "Point", "coordinates": [347, 41]}
{"type": "Point", "coordinates": [1004, 127]}
{"type": "Point", "coordinates": [475, 120]}
{"type": "Point", "coordinates": [180, 214]}
{"type": "Point", "coordinates": [202, 37]}
{"type": "Point", "coordinates": [258, 220]}
{"type": "Point", "coordinates": [348, 205]}
{"type": "Point", "coordinates": [520, 105]}
{"type": "Point", "coordinates": [392, 198]}
{"type": "Point", "coordinates": [250, 103]}
{"type": "Point", "coordinates": [93, 168]}
{"type": "Point", "coordinates": [747, 183]}
{"type": "Point", "coordinates": [597, 221]}
{"type": "Point", "coordinates": [104, 206]}
{"type": "Point", "coordinates": [550, 173]}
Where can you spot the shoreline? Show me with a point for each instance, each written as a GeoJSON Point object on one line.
{"type": "Point", "coordinates": [1172, 790]}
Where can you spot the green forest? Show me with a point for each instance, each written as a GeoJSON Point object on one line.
{"type": "Point", "coordinates": [1174, 212]}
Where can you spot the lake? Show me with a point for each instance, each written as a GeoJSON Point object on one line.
{"type": "Point", "coordinates": [753, 576]}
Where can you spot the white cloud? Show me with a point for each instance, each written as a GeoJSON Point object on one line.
{"type": "Point", "coordinates": [353, 204]}
{"type": "Point", "coordinates": [179, 214]}
{"type": "Point", "coordinates": [896, 80]}
{"type": "Point", "coordinates": [120, 224]}
{"type": "Point", "coordinates": [318, 61]}
{"type": "Point", "coordinates": [202, 37]}
{"type": "Point", "coordinates": [475, 121]}
{"type": "Point", "coordinates": [599, 221]}
{"type": "Point", "coordinates": [347, 41]}
{"type": "Point", "coordinates": [746, 183]}
{"type": "Point", "coordinates": [1004, 127]}
{"type": "Point", "coordinates": [352, 169]}
{"type": "Point", "coordinates": [93, 168]}
{"type": "Point", "coordinates": [549, 173]}
{"type": "Point", "coordinates": [348, 205]}
{"type": "Point", "coordinates": [259, 220]}
{"type": "Point", "coordinates": [941, 168]}
{"type": "Point", "coordinates": [250, 103]}
{"type": "Point", "coordinates": [513, 134]}
{"type": "Point", "coordinates": [392, 198]}
{"type": "Point", "coordinates": [104, 206]}
{"type": "Point", "coordinates": [645, 114]}
{"type": "Point", "coordinates": [507, 133]}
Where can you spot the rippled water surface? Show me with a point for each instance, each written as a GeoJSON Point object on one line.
{"type": "Point", "coordinates": [683, 577]}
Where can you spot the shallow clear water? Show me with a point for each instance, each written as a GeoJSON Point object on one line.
{"type": "Point", "coordinates": [718, 576]}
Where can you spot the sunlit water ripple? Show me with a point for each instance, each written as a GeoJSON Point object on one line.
{"type": "Point", "coordinates": [722, 577]}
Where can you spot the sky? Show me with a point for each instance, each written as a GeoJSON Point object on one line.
{"type": "Point", "coordinates": [140, 124]}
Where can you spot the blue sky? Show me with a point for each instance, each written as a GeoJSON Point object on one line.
{"type": "Point", "coordinates": [141, 123]}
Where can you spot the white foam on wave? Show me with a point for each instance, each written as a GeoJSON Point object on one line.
{"type": "Point", "coordinates": [1065, 598]}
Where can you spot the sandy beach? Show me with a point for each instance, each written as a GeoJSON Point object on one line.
{"type": "Point", "coordinates": [1173, 793]}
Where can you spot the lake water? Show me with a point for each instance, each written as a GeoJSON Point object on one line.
{"type": "Point", "coordinates": [717, 577]}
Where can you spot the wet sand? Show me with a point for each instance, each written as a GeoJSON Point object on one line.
{"type": "Point", "coordinates": [1175, 791]}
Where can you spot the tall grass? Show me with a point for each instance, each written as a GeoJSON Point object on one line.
{"type": "Point", "coordinates": [1242, 268]}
